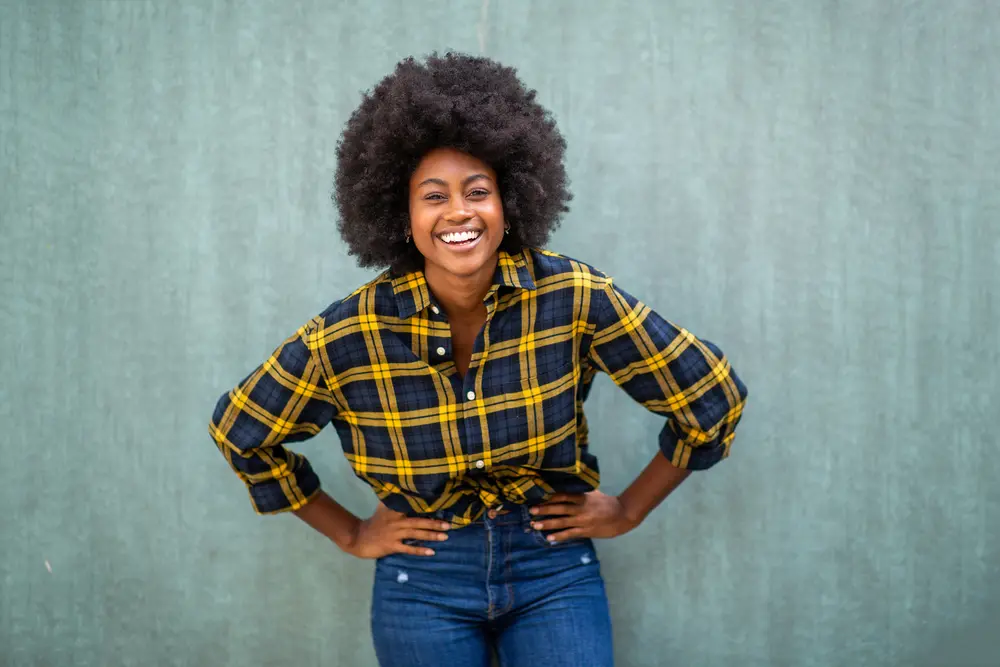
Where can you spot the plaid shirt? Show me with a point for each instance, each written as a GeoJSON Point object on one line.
{"type": "Point", "coordinates": [378, 365]}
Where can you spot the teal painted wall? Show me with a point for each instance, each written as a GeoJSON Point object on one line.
{"type": "Point", "coordinates": [813, 185]}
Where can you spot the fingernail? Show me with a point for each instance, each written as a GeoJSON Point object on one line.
{"type": "Point", "coordinates": [428, 552]}
{"type": "Point", "coordinates": [445, 526]}
{"type": "Point", "coordinates": [534, 510]}
{"type": "Point", "coordinates": [536, 526]}
{"type": "Point", "coordinates": [442, 537]}
{"type": "Point", "coordinates": [551, 538]}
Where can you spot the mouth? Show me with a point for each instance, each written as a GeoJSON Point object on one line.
{"type": "Point", "coordinates": [462, 239]}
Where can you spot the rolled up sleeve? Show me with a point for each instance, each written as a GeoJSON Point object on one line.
{"type": "Point", "coordinates": [283, 400]}
{"type": "Point", "coordinates": [672, 373]}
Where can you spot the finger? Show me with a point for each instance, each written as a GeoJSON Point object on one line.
{"type": "Point", "coordinates": [425, 524]}
{"type": "Point", "coordinates": [413, 551]}
{"type": "Point", "coordinates": [426, 535]}
{"type": "Point", "coordinates": [552, 509]}
{"type": "Point", "coordinates": [566, 535]}
{"type": "Point", "coordinates": [556, 524]}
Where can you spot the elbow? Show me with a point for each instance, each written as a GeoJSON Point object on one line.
{"type": "Point", "coordinates": [694, 447]}
{"type": "Point", "coordinates": [219, 411]}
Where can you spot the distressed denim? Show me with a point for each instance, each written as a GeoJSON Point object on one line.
{"type": "Point", "coordinates": [495, 585]}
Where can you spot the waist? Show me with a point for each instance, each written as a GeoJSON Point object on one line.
{"type": "Point", "coordinates": [477, 514]}
{"type": "Point", "coordinates": [505, 514]}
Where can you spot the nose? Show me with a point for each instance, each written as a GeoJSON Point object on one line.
{"type": "Point", "coordinates": [458, 213]}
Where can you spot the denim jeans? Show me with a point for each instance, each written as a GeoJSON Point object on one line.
{"type": "Point", "coordinates": [494, 585]}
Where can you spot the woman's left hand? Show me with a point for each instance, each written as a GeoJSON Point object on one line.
{"type": "Point", "coordinates": [593, 514]}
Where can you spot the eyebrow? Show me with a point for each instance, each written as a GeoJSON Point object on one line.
{"type": "Point", "coordinates": [466, 181]}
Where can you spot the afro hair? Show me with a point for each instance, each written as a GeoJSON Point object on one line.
{"type": "Point", "coordinates": [469, 103]}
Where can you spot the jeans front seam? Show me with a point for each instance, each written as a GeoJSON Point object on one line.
{"type": "Point", "coordinates": [508, 574]}
{"type": "Point", "coordinates": [489, 570]}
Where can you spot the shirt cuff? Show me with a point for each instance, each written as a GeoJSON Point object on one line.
{"type": "Point", "coordinates": [685, 456]}
{"type": "Point", "coordinates": [286, 493]}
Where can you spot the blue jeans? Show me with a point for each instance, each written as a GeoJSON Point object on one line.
{"type": "Point", "coordinates": [494, 585]}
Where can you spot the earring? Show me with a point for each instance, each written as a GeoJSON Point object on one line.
{"type": "Point", "coordinates": [506, 228]}
{"type": "Point", "coordinates": [407, 237]}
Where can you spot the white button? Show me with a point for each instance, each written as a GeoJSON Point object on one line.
{"type": "Point", "coordinates": [436, 310]}
{"type": "Point", "coordinates": [480, 464]}
{"type": "Point", "coordinates": [441, 351]}
{"type": "Point", "coordinates": [471, 395]}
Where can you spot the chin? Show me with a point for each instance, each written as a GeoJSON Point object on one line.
{"type": "Point", "coordinates": [465, 266]}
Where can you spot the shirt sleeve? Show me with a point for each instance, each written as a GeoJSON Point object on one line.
{"type": "Point", "coordinates": [283, 400]}
{"type": "Point", "coordinates": [672, 373]}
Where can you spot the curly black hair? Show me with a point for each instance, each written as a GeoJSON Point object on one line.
{"type": "Point", "coordinates": [469, 103]}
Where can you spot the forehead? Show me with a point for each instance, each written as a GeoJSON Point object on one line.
{"type": "Point", "coordinates": [448, 164]}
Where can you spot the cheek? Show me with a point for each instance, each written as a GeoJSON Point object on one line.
{"type": "Point", "coordinates": [419, 219]}
{"type": "Point", "coordinates": [492, 212]}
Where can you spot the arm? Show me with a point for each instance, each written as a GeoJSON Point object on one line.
{"type": "Point", "coordinates": [375, 537]}
{"type": "Point", "coordinates": [285, 400]}
{"type": "Point", "coordinates": [331, 519]}
{"type": "Point", "coordinates": [671, 373]}
{"type": "Point", "coordinates": [657, 481]}
{"type": "Point", "coordinates": [597, 514]}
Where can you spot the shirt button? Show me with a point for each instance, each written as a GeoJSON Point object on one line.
{"type": "Point", "coordinates": [472, 396]}
{"type": "Point", "coordinates": [480, 464]}
{"type": "Point", "coordinates": [437, 311]}
{"type": "Point", "coordinates": [441, 351]}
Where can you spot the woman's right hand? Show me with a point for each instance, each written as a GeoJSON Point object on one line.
{"type": "Point", "coordinates": [384, 532]}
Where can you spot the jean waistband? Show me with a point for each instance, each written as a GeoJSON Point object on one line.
{"type": "Point", "coordinates": [508, 514]}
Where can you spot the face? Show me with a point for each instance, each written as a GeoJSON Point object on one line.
{"type": "Point", "coordinates": [456, 215]}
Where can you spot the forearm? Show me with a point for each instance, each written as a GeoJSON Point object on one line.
{"type": "Point", "coordinates": [657, 480]}
{"type": "Point", "coordinates": [330, 518]}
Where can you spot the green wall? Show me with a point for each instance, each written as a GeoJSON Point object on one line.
{"type": "Point", "coordinates": [814, 185]}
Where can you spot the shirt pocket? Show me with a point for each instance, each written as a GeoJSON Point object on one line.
{"type": "Point", "coordinates": [540, 420]}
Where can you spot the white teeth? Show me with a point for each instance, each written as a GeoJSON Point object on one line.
{"type": "Point", "coordinates": [460, 237]}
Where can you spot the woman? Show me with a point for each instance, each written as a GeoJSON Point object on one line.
{"type": "Point", "coordinates": [456, 381]}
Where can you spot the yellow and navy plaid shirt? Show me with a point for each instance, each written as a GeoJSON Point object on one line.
{"type": "Point", "coordinates": [378, 365]}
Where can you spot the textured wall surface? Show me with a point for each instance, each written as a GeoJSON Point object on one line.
{"type": "Point", "coordinates": [814, 185]}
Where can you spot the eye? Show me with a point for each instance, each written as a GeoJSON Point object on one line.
{"type": "Point", "coordinates": [479, 193]}
{"type": "Point", "coordinates": [435, 196]}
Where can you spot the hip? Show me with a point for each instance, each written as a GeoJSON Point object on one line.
{"type": "Point", "coordinates": [500, 548]}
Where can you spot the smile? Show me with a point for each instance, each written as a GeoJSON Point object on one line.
{"type": "Point", "coordinates": [460, 239]}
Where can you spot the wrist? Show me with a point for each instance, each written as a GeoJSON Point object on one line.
{"type": "Point", "coordinates": [347, 541]}
{"type": "Point", "coordinates": [331, 520]}
{"type": "Point", "coordinates": [632, 515]}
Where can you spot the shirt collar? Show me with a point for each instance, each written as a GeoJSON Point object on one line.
{"type": "Point", "coordinates": [413, 295]}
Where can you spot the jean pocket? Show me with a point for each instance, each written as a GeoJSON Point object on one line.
{"type": "Point", "coordinates": [402, 555]}
{"type": "Point", "coordinates": [541, 537]}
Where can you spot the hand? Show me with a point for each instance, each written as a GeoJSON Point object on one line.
{"type": "Point", "coordinates": [384, 532]}
{"type": "Point", "coordinates": [593, 514]}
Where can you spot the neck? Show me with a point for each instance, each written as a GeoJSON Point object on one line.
{"type": "Point", "coordinates": [461, 296]}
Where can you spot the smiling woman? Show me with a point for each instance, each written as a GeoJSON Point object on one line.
{"type": "Point", "coordinates": [456, 381]}
{"type": "Point", "coordinates": [472, 105]}
{"type": "Point", "coordinates": [456, 216]}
